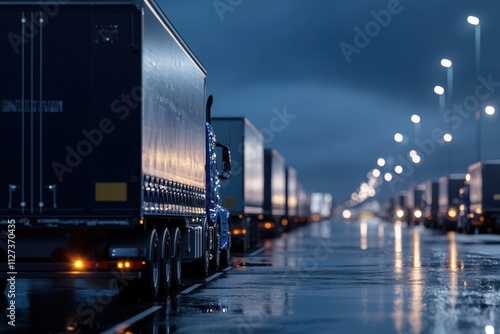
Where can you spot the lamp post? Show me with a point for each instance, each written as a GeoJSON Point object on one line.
{"type": "Point", "coordinates": [415, 119]}
{"type": "Point", "coordinates": [399, 138]}
{"type": "Point", "coordinates": [446, 63]}
{"type": "Point", "coordinates": [473, 20]}
{"type": "Point", "coordinates": [440, 91]}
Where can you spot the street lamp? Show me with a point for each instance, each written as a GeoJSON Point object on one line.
{"type": "Point", "coordinates": [473, 20]}
{"type": "Point", "coordinates": [449, 82]}
{"type": "Point", "coordinates": [446, 63]}
{"type": "Point", "coordinates": [416, 120]}
{"type": "Point", "coordinates": [381, 162]}
{"type": "Point", "coordinates": [398, 138]}
{"type": "Point", "coordinates": [440, 91]}
{"type": "Point", "coordinates": [489, 110]}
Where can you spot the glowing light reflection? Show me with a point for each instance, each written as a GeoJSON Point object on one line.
{"type": "Point", "coordinates": [363, 232]}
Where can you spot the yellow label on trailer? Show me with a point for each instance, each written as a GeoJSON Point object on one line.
{"type": "Point", "coordinates": [111, 192]}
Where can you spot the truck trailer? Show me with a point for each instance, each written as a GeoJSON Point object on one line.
{"type": "Point", "coordinates": [106, 167]}
{"type": "Point", "coordinates": [449, 200]}
{"type": "Point", "coordinates": [243, 194]}
{"type": "Point", "coordinates": [274, 215]}
{"type": "Point", "coordinates": [484, 196]}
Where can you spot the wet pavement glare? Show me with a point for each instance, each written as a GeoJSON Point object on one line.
{"type": "Point", "coordinates": [336, 276]}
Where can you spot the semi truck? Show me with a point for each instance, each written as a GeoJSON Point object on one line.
{"type": "Point", "coordinates": [431, 199]}
{"type": "Point", "coordinates": [107, 162]}
{"type": "Point", "coordinates": [415, 204]}
{"type": "Point", "coordinates": [274, 215]}
{"type": "Point", "coordinates": [400, 206]}
{"type": "Point", "coordinates": [243, 194]}
{"type": "Point", "coordinates": [449, 200]}
{"type": "Point", "coordinates": [484, 196]}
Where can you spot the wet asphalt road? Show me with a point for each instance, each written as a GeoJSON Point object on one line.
{"type": "Point", "coordinates": [362, 276]}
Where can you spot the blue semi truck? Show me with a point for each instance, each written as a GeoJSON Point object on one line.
{"type": "Point", "coordinates": [111, 164]}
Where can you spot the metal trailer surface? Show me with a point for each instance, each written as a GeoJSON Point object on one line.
{"type": "Point", "coordinates": [449, 200]}
{"type": "Point", "coordinates": [243, 194]}
{"type": "Point", "coordinates": [274, 192]}
{"type": "Point", "coordinates": [484, 192]}
{"type": "Point", "coordinates": [102, 105]}
{"type": "Point", "coordinates": [291, 197]}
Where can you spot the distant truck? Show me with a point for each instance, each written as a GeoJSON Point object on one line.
{"type": "Point", "coordinates": [449, 200]}
{"type": "Point", "coordinates": [274, 215]}
{"type": "Point", "coordinates": [292, 201]}
{"type": "Point", "coordinates": [321, 206]}
{"type": "Point", "coordinates": [431, 206]}
{"type": "Point", "coordinates": [415, 204]}
{"type": "Point", "coordinates": [484, 195]}
{"type": "Point", "coordinates": [243, 194]}
{"type": "Point", "coordinates": [303, 206]}
{"type": "Point", "coordinates": [400, 206]}
{"type": "Point", "coordinates": [108, 168]}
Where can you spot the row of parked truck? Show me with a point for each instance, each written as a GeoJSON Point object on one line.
{"type": "Point", "coordinates": [465, 202]}
{"type": "Point", "coordinates": [263, 195]}
{"type": "Point", "coordinates": [112, 164]}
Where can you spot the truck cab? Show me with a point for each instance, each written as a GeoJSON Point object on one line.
{"type": "Point", "coordinates": [217, 215]}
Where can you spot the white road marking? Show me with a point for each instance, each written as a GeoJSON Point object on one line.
{"type": "Point", "coordinates": [191, 288]}
{"type": "Point", "coordinates": [129, 322]}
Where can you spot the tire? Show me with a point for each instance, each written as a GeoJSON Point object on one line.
{"type": "Point", "coordinates": [166, 262]}
{"type": "Point", "coordinates": [176, 281]}
{"type": "Point", "coordinates": [215, 261]}
{"type": "Point", "coordinates": [151, 280]}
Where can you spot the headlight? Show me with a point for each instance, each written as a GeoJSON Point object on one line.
{"type": "Point", "coordinates": [452, 213]}
{"type": "Point", "coordinates": [400, 213]}
{"type": "Point", "coordinates": [346, 214]}
{"type": "Point", "coordinates": [417, 214]}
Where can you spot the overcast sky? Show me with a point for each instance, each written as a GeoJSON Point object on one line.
{"type": "Point", "coordinates": [331, 81]}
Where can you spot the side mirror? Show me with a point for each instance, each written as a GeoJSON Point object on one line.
{"type": "Point", "coordinates": [226, 162]}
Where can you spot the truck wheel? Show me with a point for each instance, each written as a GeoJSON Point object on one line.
{"type": "Point", "coordinates": [152, 272]}
{"type": "Point", "coordinates": [201, 266]}
{"type": "Point", "coordinates": [215, 261]}
{"type": "Point", "coordinates": [166, 261]}
{"type": "Point", "coordinates": [176, 258]}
